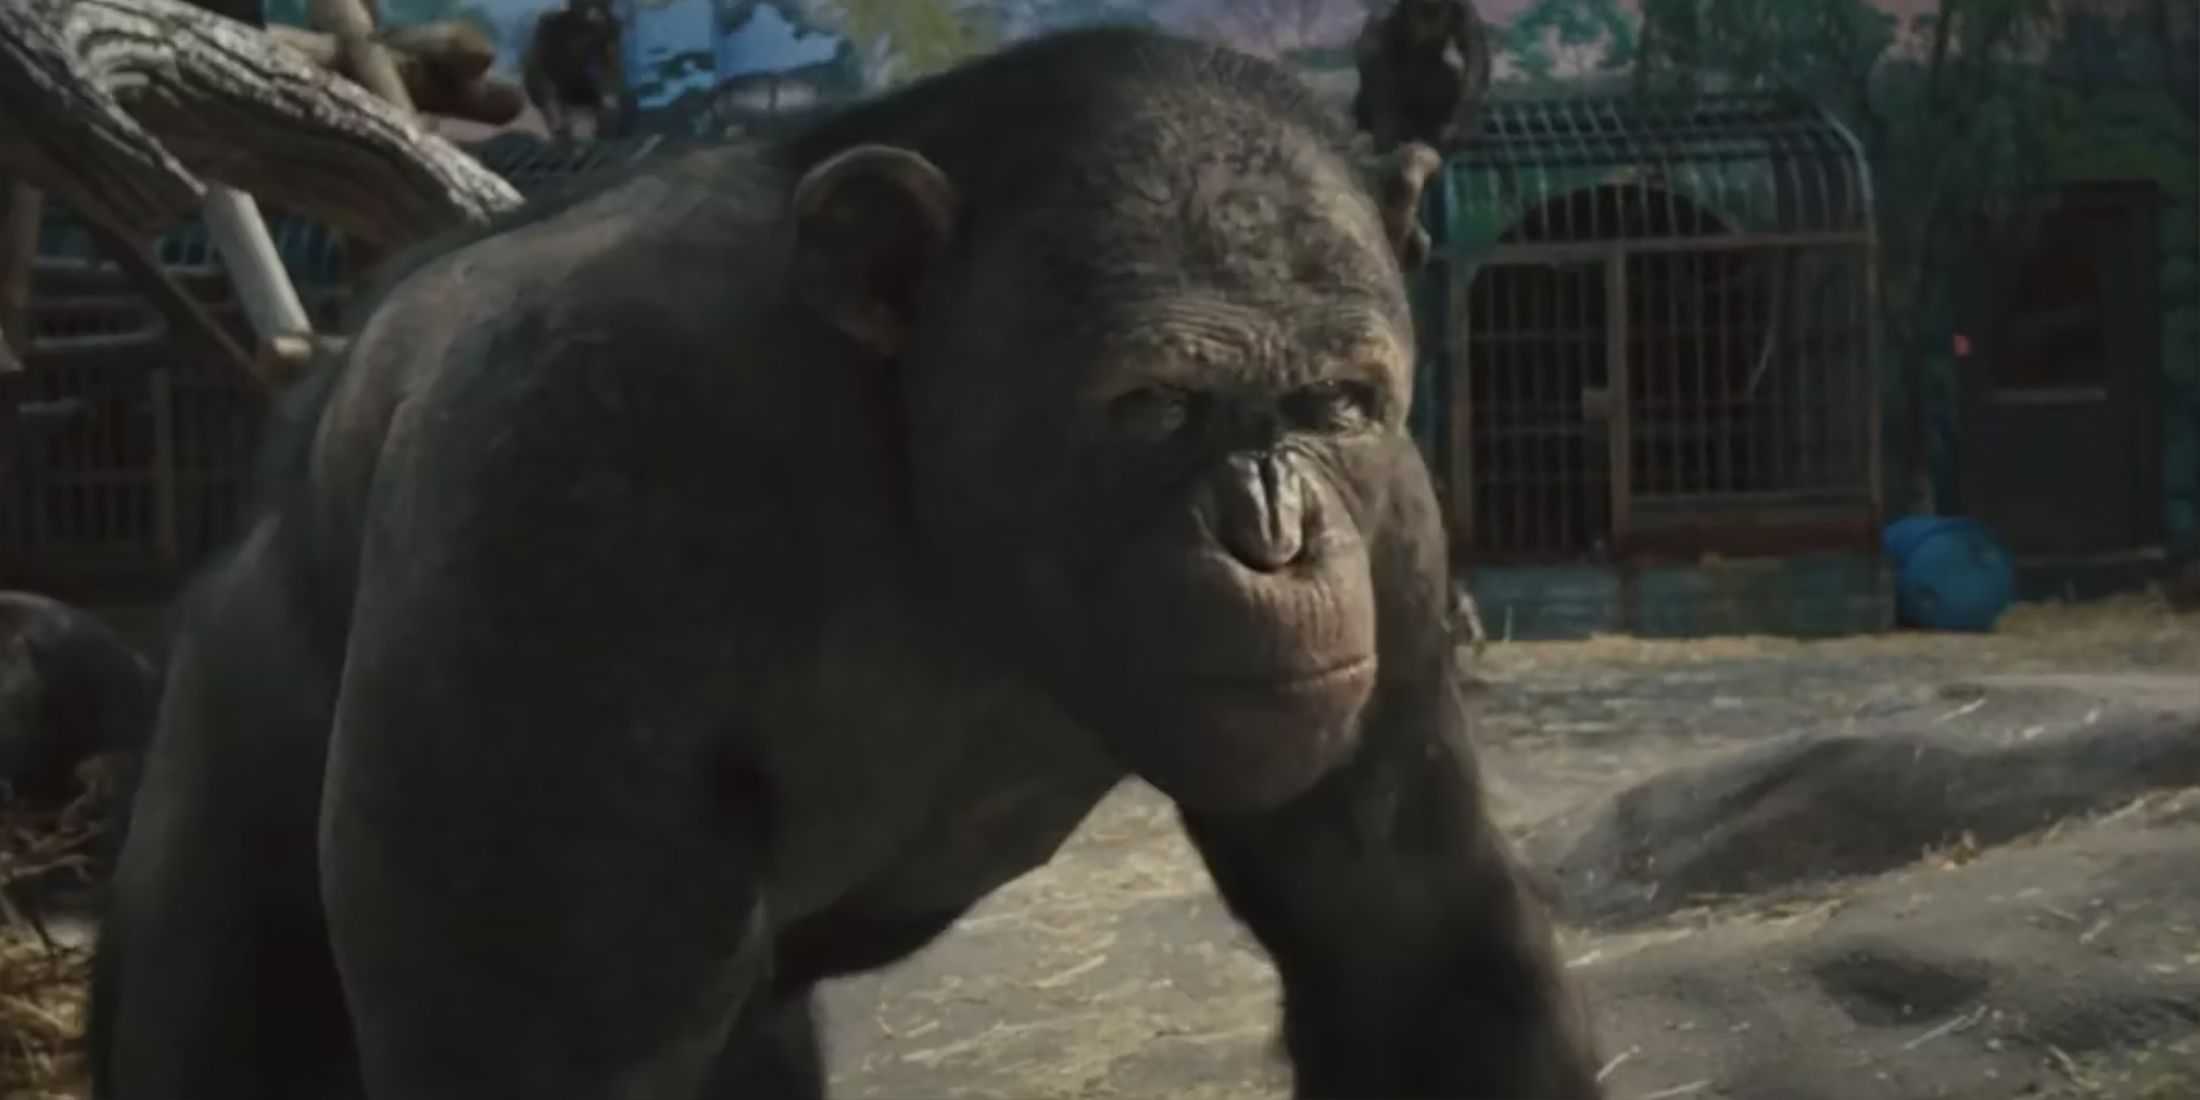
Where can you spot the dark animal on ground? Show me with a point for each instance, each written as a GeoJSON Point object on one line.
{"type": "Point", "coordinates": [572, 64]}
{"type": "Point", "coordinates": [1424, 71]}
{"type": "Point", "coordinates": [70, 689]}
{"type": "Point", "coordinates": [719, 579]}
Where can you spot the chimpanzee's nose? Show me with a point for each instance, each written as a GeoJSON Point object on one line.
{"type": "Point", "coordinates": [1260, 510]}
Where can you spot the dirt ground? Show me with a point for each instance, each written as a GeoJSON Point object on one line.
{"type": "Point", "coordinates": [1113, 971]}
{"type": "Point", "coordinates": [1896, 867]}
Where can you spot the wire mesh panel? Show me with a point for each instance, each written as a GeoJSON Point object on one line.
{"type": "Point", "coordinates": [1541, 468]}
{"type": "Point", "coordinates": [214, 435]}
{"type": "Point", "coordinates": [84, 440]}
{"type": "Point", "coordinates": [1749, 373]}
{"type": "Point", "coordinates": [93, 320]}
{"type": "Point", "coordinates": [124, 451]}
{"type": "Point", "coordinates": [533, 165]}
{"type": "Point", "coordinates": [1758, 163]}
{"type": "Point", "coordinates": [116, 466]}
{"type": "Point", "coordinates": [128, 449]}
{"type": "Point", "coordinates": [1661, 315]}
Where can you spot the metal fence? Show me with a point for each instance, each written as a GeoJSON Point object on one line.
{"type": "Point", "coordinates": [125, 453]}
{"type": "Point", "coordinates": [121, 467]}
{"type": "Point", "coordinates": [1656, 329]}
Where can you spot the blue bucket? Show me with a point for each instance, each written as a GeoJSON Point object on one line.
{"type": "Point", "coordinates": [1950, 573]}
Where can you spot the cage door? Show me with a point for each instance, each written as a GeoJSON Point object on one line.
{"type": "Point", "coordinates": [1750, 399]}
{"type": "Point", "coordinates": [1532, 413]}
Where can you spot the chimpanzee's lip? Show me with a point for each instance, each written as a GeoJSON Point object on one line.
{"type": "Point", "coordinates": [1292, 681]}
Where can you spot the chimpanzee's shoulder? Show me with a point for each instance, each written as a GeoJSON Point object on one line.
{"type": "Point", "coordinates": [687, 197]}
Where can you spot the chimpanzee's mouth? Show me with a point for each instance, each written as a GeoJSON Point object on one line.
{"type": "Point", "coordinates": [1348, 672]}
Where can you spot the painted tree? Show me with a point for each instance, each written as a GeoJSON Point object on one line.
{"type": "Point", "coordinates": [770, 36]}
{"type": "Point", "coordinates": [905, 39]}
{"type": "Point", "coordinates": [2132, 67]}
{"type": "Point", "coordinates": [1274, 28]}
{"type": "Point", "coordinates": [399, 13]}
{"type": "Point", "coordinates": [1554, 39]}
{"type": "Point", "coordinates": [1023, 18]}
{"type": "Point", "coordinates": [406, 13]}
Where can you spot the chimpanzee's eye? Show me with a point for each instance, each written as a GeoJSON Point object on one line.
{"type": "Point", "coordinates": [1333, 406]}
{"type": "Point", "coordinates": [1151, 413]}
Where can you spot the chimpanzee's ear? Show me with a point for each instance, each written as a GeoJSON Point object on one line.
{"type": "Point", "coordinates": [1398, 177]}
{"type": "Point", "coordinates": [869, 222]}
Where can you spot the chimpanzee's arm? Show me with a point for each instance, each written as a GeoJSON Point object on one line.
{"type": "Point", "coordinates": [1414, 960]}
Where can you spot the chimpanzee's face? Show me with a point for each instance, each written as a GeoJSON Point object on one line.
{"type": "Point", "coordinates": [1152, 418]}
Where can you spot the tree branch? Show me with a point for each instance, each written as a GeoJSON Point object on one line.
{"type": "Point", "coordinates": [118, 106]}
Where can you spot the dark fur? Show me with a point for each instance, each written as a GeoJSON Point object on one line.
{"type": "Point", "coordinates": [725, 600]}
{"type": "Point", "coordinates": [70, 688]}
{"type": "Point", "coordinates": [573, 63]}
{"type": "Point", "coordinates": [1408, 91]}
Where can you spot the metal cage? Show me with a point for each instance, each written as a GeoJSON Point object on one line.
{"type": "Point", "coordinates": [1650, 331]}
{"type": "Point", "coordinates": [126, 452]}
{"type": "Point", "coordinates": [533, 165]}
{"type": "Point", "coordinates": [125, 455]}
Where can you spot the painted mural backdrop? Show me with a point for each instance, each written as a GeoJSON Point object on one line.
{"type": "Point", "coordinates": [1960, 104]}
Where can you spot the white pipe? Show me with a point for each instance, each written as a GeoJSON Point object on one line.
{"type": "Point", "coordinates": [255, 269]}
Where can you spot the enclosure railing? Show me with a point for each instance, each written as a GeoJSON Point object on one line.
{"type": "Point", "coordinates": [126, 456]}
{"type": "Point", "coordinates": [1656, 334]}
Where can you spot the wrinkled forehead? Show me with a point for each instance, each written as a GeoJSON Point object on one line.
{"type": "Point", "coordinates": [1263, 219]}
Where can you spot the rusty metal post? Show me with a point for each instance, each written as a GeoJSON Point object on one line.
{"type": "Point", "coordinates": [23, 209]}
{"type": "Point", "coordinates": [1459, 426]}
{"type": "Point", "coordinates": [167, 542]}
{"type": "Point", "coordinates": [1620, 423]}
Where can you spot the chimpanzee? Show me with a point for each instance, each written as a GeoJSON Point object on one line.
{"type": "Point", "coordinates": [573, 64]}
{"type": "Point", "coordinates": [70, 688]}
{"type": "Point", "coordinates": [1412, 88]}
{"type": "Point", "coordinates": [717, 580]}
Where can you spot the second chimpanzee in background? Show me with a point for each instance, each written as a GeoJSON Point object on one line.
{"type": "Point", "coordinates": [1424, 70]}
{"type": "Point", "coordinates": [71, 688]}
{"type": "Point", "coordinates": [572, 64]}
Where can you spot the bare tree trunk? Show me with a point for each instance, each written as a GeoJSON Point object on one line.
{"type": "Point", "coordinates": [89, 84]}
